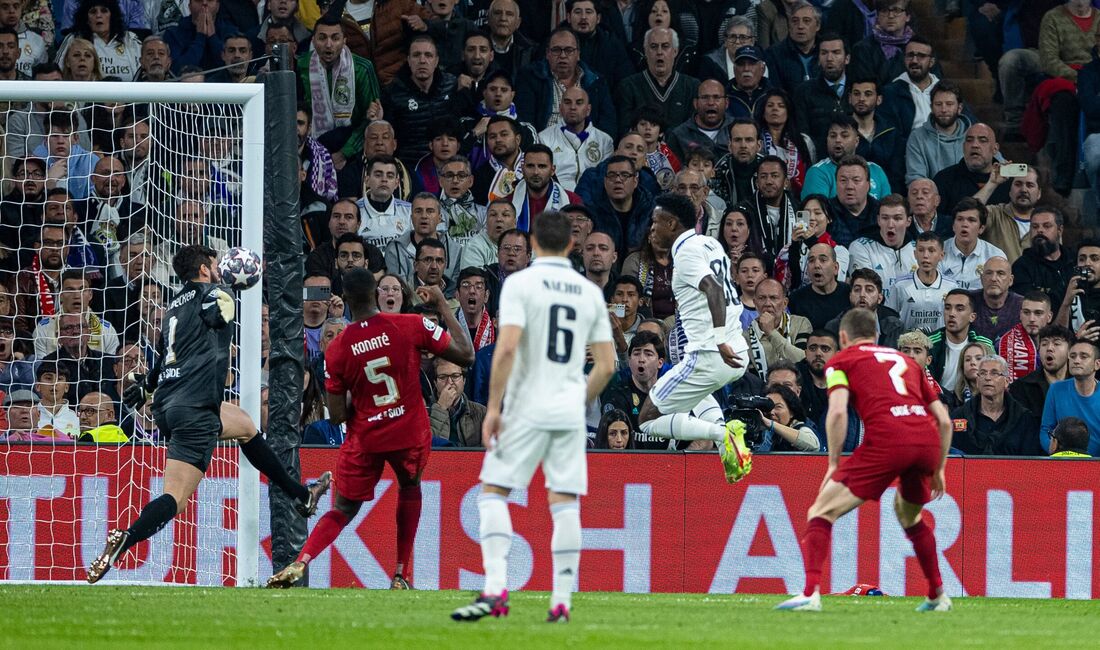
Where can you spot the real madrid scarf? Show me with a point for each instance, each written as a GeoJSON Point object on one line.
{"type": "Point", "coordinates": [505, 180]}
{"type": "Point", "coordinates": [331, 110]}
{"type": "Point", "coordinates": [460, 215]}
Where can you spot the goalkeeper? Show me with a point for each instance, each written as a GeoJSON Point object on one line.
{"type": "Point", "coordinates": [192, 363]}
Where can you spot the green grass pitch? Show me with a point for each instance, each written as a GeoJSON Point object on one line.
{"type": "Point", "coordinates": [326, 619]}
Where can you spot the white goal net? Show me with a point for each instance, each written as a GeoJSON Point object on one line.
{"type": "Point", "coordinates": [102, 184]}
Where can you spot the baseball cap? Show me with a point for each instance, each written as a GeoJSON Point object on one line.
{"type": "Point", "coordinates": [17, 396]}
{"type": "Point", "coordinates": [749, 52]}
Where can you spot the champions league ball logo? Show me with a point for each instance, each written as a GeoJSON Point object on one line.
{"type": "Point", "coordinates": [240, 268]}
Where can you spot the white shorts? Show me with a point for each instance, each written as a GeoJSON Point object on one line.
{"type": "Point", "coordinates": [519, 451]}
{"type": "Point", "coordinates": [694, 377]}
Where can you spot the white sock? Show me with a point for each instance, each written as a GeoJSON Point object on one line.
{"type": "Point", "coordinates": [680, 426]}
{"type": "Point", "coordinates": [709, 410]}
{"type": "Point", "coordinates": [565, 544]}
{"type": "Point", "coordinates": [496, 541]}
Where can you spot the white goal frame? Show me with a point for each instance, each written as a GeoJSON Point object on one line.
{"type": "Point", "coordinates": [251, 98]}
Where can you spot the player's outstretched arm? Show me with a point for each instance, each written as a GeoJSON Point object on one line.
{"type": "Point", "coordinates": [604, 356]}
{"type": "Point", "coordinates": [461, 350]}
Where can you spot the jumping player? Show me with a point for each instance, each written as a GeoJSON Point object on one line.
{"type": "Point", "coordinates": [706, 303]}
{"type": "Point", "coordinates": [188, 377]}
{"type": "Point", "coordinates": [908, 434]}
{"type": "Point", "coordinates": [372, 377]}
{"type": "Point", "coordinates": [548, 315]}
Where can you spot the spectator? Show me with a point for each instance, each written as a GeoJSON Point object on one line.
{"type": "Point", "coordinates": [576, 144]}
{"type": "Point", "coordinates": [615, 432]}
{"type": "Point", "coordinates": [562, 68]}
{"type": "Point", "coordinates": [775, 206]}
{"type": "Point", "coordinates": [882, 53]}
{"type": "Point", "coordinates": [69, 165]}
{"type": "Point", "coordinates": [739, 31]}
{"type": "Point", "coordinates": [1082, 301]}
{"type": "Point", "coordinates": [629, 389]}
{"type": "Point", "coordinates": [794, 59]}
{"type": "Point", "coordinates": [498, 96]}
{"type": "Point", "coordinates": [737, 233]}
{"type": "Point", "coordinates": [1009, 223]}
{"type": "Point", "coordinates": [21, 207]}
{"type": "Point", "coordinates": [394, 295]}
{"type": "Point", "coordinates": [237, 56]}
{"type": "Point", "coordinates": [916, 346]}
{"type": "Point", "coordinates": [1019, 345]}
{"type": "Point", "coordinates": [751, 269]}
{"type": "Point", "coordinates": [122, 295]}
{"type": "Point", "coordinates": [998, 308]}
{"type": "Point", "coordinates": [967, 384]}
{"type": "Point", "coordinates": [879, 141]}
{"type": "Point", "coordinates": [1019, 66]}
{"type": "Point", "coordinates": [649, 123]}
{"type": "Point", "coordinates": [476, 63]}
{"type": "Point", "coordinates": [908, 98]}
{"type": "Point", "coordinates": [652, 266]}
{"type": "Point", "coordinates": [791, 264]}
{"type": "Point", "coordinates": [602, 51]}
{"type": "Point", "coordinates": [512, 50]}
{"type": "Point", "coordinates": [777, 121]}
{"type": "Point", "coordinates": [734, 172]}
{"type": "Point", "coordinates": [580, 227]}
{"type": "Point", "coordinates": [1069, 439]}
{"type": "Point", "coordinates": [513, 254]}
{"type": "Point", "coordinates": [659, 84]}
{"type": "Point", "coordinates": [854, 207]}
{"type": "Point", "coordinates": [924, 204]}
{"type": "Point", "coordinates": [199, 38]}
{"type": "Point", "coordinates": [353, 252]}
{"type": "Point", "coordinates": [866, 293]}
{"type": "Point", "coordinates": [454, 417]}
{"type": "Point", "coordinates": [841, 140]}
{"type": "Point", "coordinates": [339, 118]}
{"type": "Point", "coordinates": [75, 297]}
{"type": "Point", "coordinates": [890, 252]}
{"type": "Point", "coordinates": [633, 147]}
{"type": "Point", "coordinates": [965, 178]}
{"type": "Point", "coordinates": [421, 96]}
{"type": "Point", "coordinates": [852, 19]}
{"type": "Point", "coordinates": [820, 347]}
{"type": "Point", "coordinates": [1046, 264]}
{"type": "Point", "coordinates": [965, 254]}
{"type": "Point", "coordinates": [318, 189]}
{"type": "Point", "coordinates": [383, 216]}
{"type": "Point", "coordinates": [282, 14]}
{"type": "Point", "coordinates": [52, 383]}
{"type": "Point", "coordinates": [1075, 397]}
{"type": "Point", "coordinates": [481, 249]}
{"type": "Point", "coordinates": [462, 218]}
{"type": "Point", "coordinates": [824, 297]}
{"type": "Point", "coordinates": [379, 139]}
{"type": "Point", "coordinates": [498, 175]}
{"type": "Point", "coordinates": [917, 297]}
{"type": "Point", "coordinates": [430, 267]}
{"type": "Point", "coordinates": [775, 334]}
{"type": "Point", "coordinates": [112, 216]}
{"type": "Point", "coordinates": [626, 294]}
{"type": "Point", "coordinates": [785, 426]}
{"type": "Point", "coordinates": [98, 422]}
{"type": "Point", "coordinates": [81, 62]}
{"type": "Point", "coordinates": [473, 297]}
{"type": "Point", "coordinates": [383, 31]}
{"type": "Point", "coordinates": [708, 127]}
{"type": "Point", "coordinates": [992, 422]}
{"type": "Point", "coordinates": [133, 149]}
{"type": "Point", "coordinates": [784, 373]}
{"type": "Point", "coordinates": [449, 30]}
{"type": "Point", "coordinates": [948, 342]}
{"type": "Point", "coordinates": [599, 259]}
{"type": "Point", "coordinates": [318, 305]}
{"type": "Point", "coordinates": [624, 209]}
{"type": "Point", "coordinates": [538, 191]}
{"type": "Point", "coordinates": [401, 253]}
{"type": "Point", "coordinates": [747, 89]}
{"type": "Point", "coordinates": [100, 22]}
{"type": "Point", "coordinates": [1053, 357]}
{"type": "Point", "coordinates": [938, 143]}
{"type": "Point", "coordinates": [26, 130]}
{"type": "Point", "coordinates": [16, 371]}
{"type": "Point", "coordinates": [38, 283]}
{"type": "Point", "coordinates": [818, 99]}
{"type": "Point", "coordinates": [31, 48]}
{"type": "Point", "coordinates": [155, 60]}
{"type": "Point", "coordinates": [343, 219]}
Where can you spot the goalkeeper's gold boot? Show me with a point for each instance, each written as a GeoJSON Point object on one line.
{"type": "Point", "coordinates": [111, 550]}
{"type": "Point", "coordinates": [292, 573]}
{"type": "Point", "coordinates": [736, 457]}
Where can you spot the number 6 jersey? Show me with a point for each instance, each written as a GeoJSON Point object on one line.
{"type": "Point", "coordinates": [694, 257]}
{"type": "Point", "coordinates": [560, 312]}
{"type": "Point", "coordinates": [377, 360]}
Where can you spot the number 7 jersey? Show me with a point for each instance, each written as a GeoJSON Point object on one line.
{"type": "Point", "coordinates": [694, 257]}
{"type": "Point", "coordinates": [560, 312]}
{"type": "Point", "coordinates": [890, 392]}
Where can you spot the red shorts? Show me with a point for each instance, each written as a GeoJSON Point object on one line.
{"type": "Point", "coordinates": [870, 470]}
{"type": "Point", "coordinates": [358, 472]}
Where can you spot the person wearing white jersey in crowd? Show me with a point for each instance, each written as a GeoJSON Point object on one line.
{"type": "Point", "coordinates": [549, 315]}
{"type": "Point", "coordinates": [708, 310]}
{"type": "Point", "coordinates": [918, 296]}
{"type": "Point", "coordinates": [890, 251]}
{"type": "Point", "coordinates": [384, 216]}
{"type": "Point", "coordinates": [577, 144]}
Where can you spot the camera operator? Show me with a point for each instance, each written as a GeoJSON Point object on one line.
{"type": "Point", "coordinates": [784, 426]}
{"type": "Point", "coordinates": [1080, 309]}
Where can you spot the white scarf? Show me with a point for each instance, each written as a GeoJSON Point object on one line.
{"type": "Point", "coordinates": [557, 199]}
{"type": "Point", "coordinates": [332, 110]}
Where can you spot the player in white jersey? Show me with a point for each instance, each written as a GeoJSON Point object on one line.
{"type": "Point", "coordinates": [549, 313]}
{"type": "Point", "coordinates": [706, 302]}
{"type": "Point", "coordinates": [918, 297]}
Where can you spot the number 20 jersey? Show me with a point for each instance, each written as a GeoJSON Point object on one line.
{"type": "Point", "coordinates": [560, 312]}
{"type": "Point", "coordinates": [890, 392]}
{"type": "Point", "coordinates": [694, 257]}
{"type": "Point", "coordinates": [377, 360]}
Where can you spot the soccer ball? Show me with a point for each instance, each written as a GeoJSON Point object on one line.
{"type": "Point", "coordinates": [240, 268]}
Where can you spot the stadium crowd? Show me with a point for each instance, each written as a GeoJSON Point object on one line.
{"type": "Point", "coordinates": [821, 143]}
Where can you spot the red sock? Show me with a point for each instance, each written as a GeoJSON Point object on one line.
{"type": "Point", "coordinates": [327, 529]}
{"type": "Point", "coordinates": [924, 544]}
{"type": "Point", "coordinates": [408, 520]}
{"type": "Point", "coordinates": [815, 546]}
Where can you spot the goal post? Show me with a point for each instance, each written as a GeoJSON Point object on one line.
{"type": "Point", "coordinates": [244, 136]}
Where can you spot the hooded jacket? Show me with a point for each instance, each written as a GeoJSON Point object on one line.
{"type": "Point", "coordinates": [929, 150]}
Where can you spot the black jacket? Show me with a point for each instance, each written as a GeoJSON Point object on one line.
{"type": "Point", "coordinates": [1031, 390]}
{"type": "Point", "coordinates": [815, 102]}
{"type": "Point", "coordinates": [1033, 272]}
{"type": "Point", "coordinates": [785, 69]}
{"type": "Point", "coordinates": [890, 326]}
{"type": "Point", "coordinates": [412, 111]}
{"type": "Point", "coordinates": [742, 104]}
{"type": "Point", "coordinates": [607, 55]}
{"type": "Point", "coordinates": [535, 96]}
{"type": "Point", "coordinates": [957, 182]}
{"type": "Point", "coordinates": [518, 57]}
{"type": "Point", "coordinates": [1015, 434]}
{"type": "Point", "coordinates": [868, 62]}
{"type": "Point", "coordinates": [887, 148]}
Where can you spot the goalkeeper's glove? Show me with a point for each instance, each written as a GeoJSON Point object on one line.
{"type": "Point", "coordinates": [136, 394]}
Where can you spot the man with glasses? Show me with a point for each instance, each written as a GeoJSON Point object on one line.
{"type": "Point", "coordinates": [659, 84]}
{"type": "Point", "coordinates": [455, 419]}
{"type": "Point", "coordinates": [98, 422]}
{"type": "Point", "coordinates": [623, 209]}
{"type": "Point", "coordinates": [463, 217]}
{"type": "Point", "coordinates": [718, 64]}
{"type": "Point", "coordinates": [21, 206]}
{"type": "Point", "coordinates": [539, 86]}
{"type": "Point", "coordinates": [993, 423]}
{"type": "Point", "coordinates": [881, 54]}
{"type": "Point", "coordinates": [343, 219]}
{"type": "Point", "coordinates": [908, 98]}
{"type": "Point", "coordinates": [603, 51]}
{"type": "Point", "coordinates": [708, 127]}
{"type": "Point", "coordinates": [473, 296]}
{"type": "Point", "coordinates": [693, 185]}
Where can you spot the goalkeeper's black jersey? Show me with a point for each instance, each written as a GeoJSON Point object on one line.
{"type": "Point", "coordinates": [193, 351]}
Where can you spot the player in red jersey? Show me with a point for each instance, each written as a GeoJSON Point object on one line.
{"type": "Point", "coordinates": [372, 377]}
{"type": "Point", "coordinates": [908, 434]}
